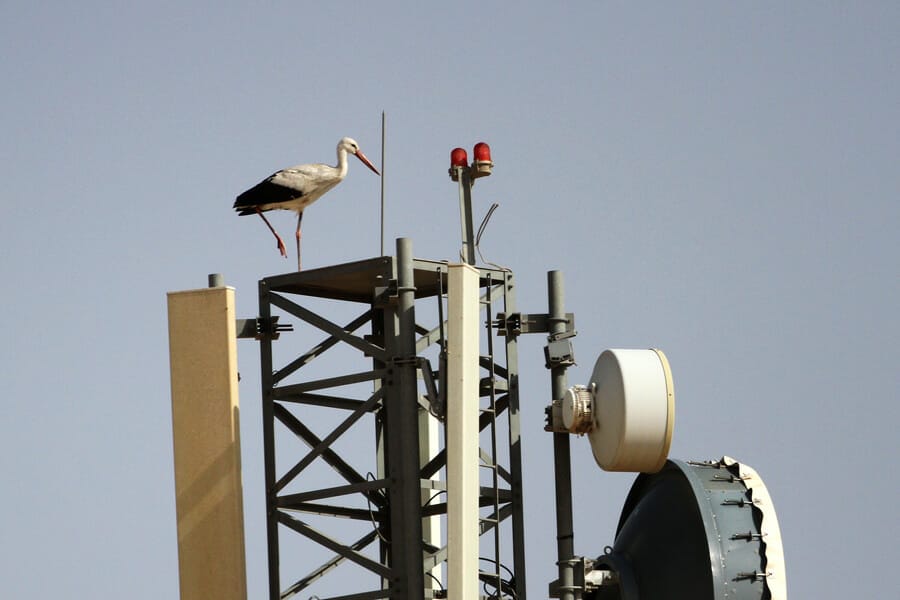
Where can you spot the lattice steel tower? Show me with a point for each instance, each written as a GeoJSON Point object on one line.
{"type": "Point", "coordinates": [367, 485]}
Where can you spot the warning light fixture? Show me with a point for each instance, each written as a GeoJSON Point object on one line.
{"type": "Point", "coordinates": [482, 164]}
{"type": "Point", "coordinates": [459, 158]}
{"type": "Point", "coordinates": [459, 161]}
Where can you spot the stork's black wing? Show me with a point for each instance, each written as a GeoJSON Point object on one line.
{"type": "Point", "coordinates": [264, 196]}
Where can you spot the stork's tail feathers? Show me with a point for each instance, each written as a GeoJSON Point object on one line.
{"type": "Point", "coordinates": [245, 210]}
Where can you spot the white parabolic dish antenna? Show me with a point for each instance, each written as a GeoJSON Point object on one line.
{"type": "Point", "coordinates": [630, 402]}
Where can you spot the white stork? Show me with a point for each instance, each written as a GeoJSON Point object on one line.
{"type": "Point", "coordinates": [295, 188]}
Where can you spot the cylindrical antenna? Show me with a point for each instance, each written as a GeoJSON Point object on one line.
{"type": "Point", "coordinates": [382, 182]}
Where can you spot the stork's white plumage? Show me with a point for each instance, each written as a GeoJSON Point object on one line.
{"type": "Point", "coordinates": [295, 188]}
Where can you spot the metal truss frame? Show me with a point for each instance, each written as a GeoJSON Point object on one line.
{"type": "Point", "coordinates": [388, 289]}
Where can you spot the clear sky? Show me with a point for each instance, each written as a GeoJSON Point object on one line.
{"type": "Point", "coordinates": [717, 180]}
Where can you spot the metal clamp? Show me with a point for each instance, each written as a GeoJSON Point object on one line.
{"type": "Point", "coordinates": [437, 397]}
{"type": "Point", "coordinates": [386, 295]}
{"type": "Point", "coordinates": [513, 324]}
{"type": "Point", "coordinates": [740, 502]}
{"type": "Point", "coordinates": [748, 535]}
{"type": "Point", "coordinates": [261, 328]}
{"type": "Point", "coordinates": [553, 421]}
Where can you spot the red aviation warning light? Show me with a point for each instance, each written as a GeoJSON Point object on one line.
{"type": "Point", "coordinates": [482, 152]}
{"type": "Point", "coordinates": [482, 165]}
{"type": "Point", "coordinates": [459, 162]}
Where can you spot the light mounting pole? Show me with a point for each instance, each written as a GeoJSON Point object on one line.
{"type": "Point", "coordinates": [465, 174]}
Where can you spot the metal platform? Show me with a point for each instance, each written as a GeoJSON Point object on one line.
{"type": "Point", "coordinates": [364, 280]}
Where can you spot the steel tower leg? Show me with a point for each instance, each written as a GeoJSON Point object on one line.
{"type": "Point", "coordinates": [265, 353]}
{"type": "Point", "coordinates": [402, 435]}
{"type": "Point", "coordinates": [515, 443]}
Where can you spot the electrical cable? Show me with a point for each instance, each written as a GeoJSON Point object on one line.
{"type": "Point", "coordinates": [481, 229]}
{"type": "Point", "coordinates": [372, 515]}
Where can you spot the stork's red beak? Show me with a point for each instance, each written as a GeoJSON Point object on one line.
{"type": "Point", "coordinates": [366, 162]}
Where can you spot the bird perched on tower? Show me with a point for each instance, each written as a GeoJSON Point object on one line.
{"type": "Point", "coordinates": [295, 188]}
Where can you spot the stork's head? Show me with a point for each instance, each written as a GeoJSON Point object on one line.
{"type": "Point", "coordinates": [349, 145]}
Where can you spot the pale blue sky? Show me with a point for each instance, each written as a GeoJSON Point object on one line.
{"type": "Point", "coordinates": [720, 181]}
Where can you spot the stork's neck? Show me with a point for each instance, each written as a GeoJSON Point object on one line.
{"type": "Point", "coordinates": [342, 162]}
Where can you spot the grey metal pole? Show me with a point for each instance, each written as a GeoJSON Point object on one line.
{"type": "Point", "coordinates": [403, 438]}
{"type": "Point", "coordinates": [382, 182]}
{"type": "Point", "coordinates": [465, 215]}
{"type": "Point", "coordinates": [565, 546]}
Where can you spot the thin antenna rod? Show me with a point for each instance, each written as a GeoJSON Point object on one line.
{"type": "Point", "coordinates": [382, 184]}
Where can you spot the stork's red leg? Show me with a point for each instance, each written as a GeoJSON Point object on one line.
{"type": "Point", "coordinates": [299, 220]}
{"type": "Point", "coordinates": [281, 247]}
